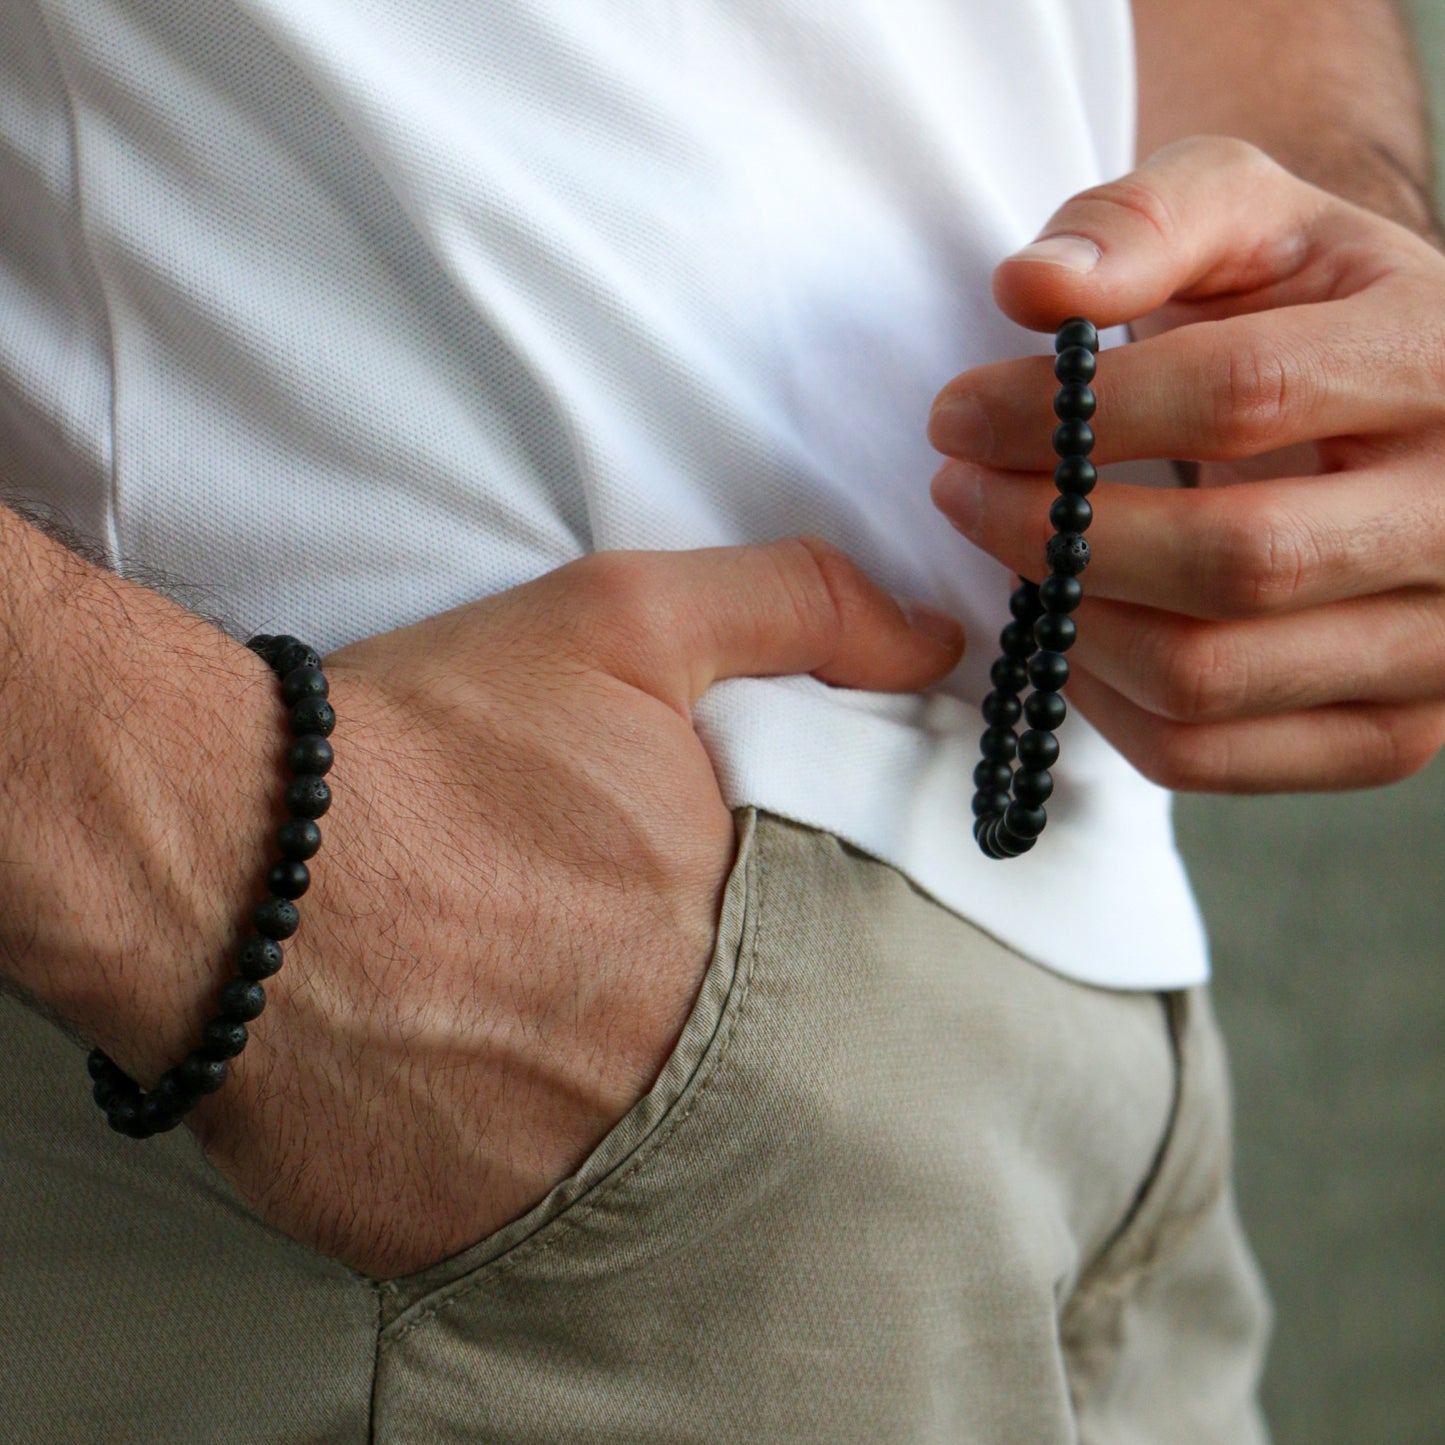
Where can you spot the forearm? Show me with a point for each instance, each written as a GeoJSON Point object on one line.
{"type": "Point", "coordinates": [1330, 88]}
{"type": "Point", "coordinates": [136, 788]}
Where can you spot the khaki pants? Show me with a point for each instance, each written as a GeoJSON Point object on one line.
{"type": "Point", "coordinates": [896, 1185]}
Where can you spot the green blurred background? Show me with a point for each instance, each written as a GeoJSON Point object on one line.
{"type": "Point", "coordinates": [1327, 918]}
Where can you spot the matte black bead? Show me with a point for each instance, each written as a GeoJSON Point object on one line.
{"type": "Point", "coordinates": [174, 1093]}
{"type": "Point", "coordinates": [155, 1117]}
{"type": "Point", "coordinates": [1033, 787]}
{"type": "Point", "coordinates": [1008, 674]}
{"type": "Point", "coordinates": [269, 647]}
{"type": "Point", "coordinates": [1070, 513]}
{"type": "Point", "coordinates": [1045, 711]}
{"type": "Point", "coordinates": [1048, 671]}
{"type": "Point", "coordinates": [1076, 331]}
{"type": "Point", "coordinates": [1008, 844]}
{"type": "Point", "coordinates": [241, 1000]}
{"type": "Point", "coordinates": [105, 1093]}
{"type": "Point", "coordinates": [260, 957]}
{"type": "Point", "coordinates": [998, 745]}
{"type": "Point", "coordinates": [1067, 552]}
{"type": "Point", "coordinates": [1024, 822]}
{"type": "Point", "coordinates": [1001, 709]}
{"type": "Point", "coordinates": [1075, 403]}
{"type": "Point", "coordinates": [223, 1038]}
{"type": "Point", "coordinates": [1073, 439]}
{"type": "Point", "coordinates": [298, 838]}
{"type": "Point", "coordinates": [99, 1066]}
{"type": "Point", "coordinates": [124, 1118]}
{"type": "Point", "coordinates": [1023, 602]}
{"type": "Point", "coordinates": [1075, 363]}
{"type": "Point", "coordinates": [1075, 474]}
{"type": "Point", "coordinates": [275, 918]}
{"type": "Point", "coordinates": [202, 1075]}
{"type": "Point", "coordinates": [297, 654]}
{"type": "Point", "coordinates": [1055, 634]}
{"type": "Point", "coordinates": [985, 830]}
{"type": "Point", "coordinates": [260, 642]}
{"type": "Point", "coordinates": [313, 715]}
{"type": "Point", "coordinates": [308, 797]}
{"type": "Point", "coordinates": [1061, 594]}
{"type": "Point", "coordinates": [987, 803]}
{"type": "Point", "coordinates": [992, 777]}
{"type": "Point", "coordinates": [289, 878]}
{"type": "Point", "coordinates": [310, 754]}
{"type": "Point", "coordinates": [1038, 749]}
{"type": "Point", "coordinates": [1016, 640]}
{"type": "Point", "coordinates": [304, 681]}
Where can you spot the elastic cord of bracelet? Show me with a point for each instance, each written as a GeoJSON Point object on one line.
{"type": "Point", "coordinates": [1032, 646]}
{"type": "Point", "coordinates": [131, 1110]}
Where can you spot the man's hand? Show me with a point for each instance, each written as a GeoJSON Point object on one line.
{"type": "Point", "coordinates": [518, 894]}
{"type": "Point", "coordinates": [1283, 626]}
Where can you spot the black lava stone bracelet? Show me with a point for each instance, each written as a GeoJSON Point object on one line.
{"type": "Point", "coordinates": [1032, 646]}
{"type": "Point", "coordinates": [130, 1110]}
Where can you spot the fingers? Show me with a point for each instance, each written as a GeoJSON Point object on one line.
{"type": "Point", "coordinates": [1215, 392]}
{"type": "Point", "coordinates": [673, 623]}
{"type": "Point", "coordinates": [1388, 649]}
{"type": "Point", "coordinates": [1228, 552]}
{"type": "Point", "coordinates": [1348, 745]}
{"type": "Point", "coordinates": [1208, 216]}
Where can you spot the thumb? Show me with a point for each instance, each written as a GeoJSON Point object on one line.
{"type": "Point", "coordinates": [673, 623]}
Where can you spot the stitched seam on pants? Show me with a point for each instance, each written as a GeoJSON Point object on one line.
{"type": "Point", "coordinates": [549, 1238]}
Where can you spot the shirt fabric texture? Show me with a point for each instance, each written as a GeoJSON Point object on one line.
{"type": "Point", "coordinates": [346, 314]}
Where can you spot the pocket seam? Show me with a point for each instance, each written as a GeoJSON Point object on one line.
{"type": "Point", "coordinates": [556, 1230]}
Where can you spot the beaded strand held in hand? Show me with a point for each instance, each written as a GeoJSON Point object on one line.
{"type": "Point", "coordinates": [1033, 644]}
{"type": "Point", "coordinates": [130, 1110]}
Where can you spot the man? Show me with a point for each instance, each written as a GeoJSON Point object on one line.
{"type": "Point", "coordinates": [656, 1058]}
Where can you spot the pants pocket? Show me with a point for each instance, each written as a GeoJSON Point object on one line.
{"type": "Point", "coordinates": [639, 1141]}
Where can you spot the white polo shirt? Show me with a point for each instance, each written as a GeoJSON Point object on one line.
{"type": "Point", "coordinates": [350, 311]}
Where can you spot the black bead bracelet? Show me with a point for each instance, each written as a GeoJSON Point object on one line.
{"type": "Point", "coordinates": [132, 1111]}
{"type": "Point", "coordinates": [1033, 644]}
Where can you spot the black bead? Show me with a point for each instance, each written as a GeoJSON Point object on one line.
{"type": "Point", "coordinates": [1075, 474]}
{"type": "Point", "coordinates": [305, 681]}
{"type": "Point", "coordinates": [174, 1093]}
{"type": "Point", "coordinates": [225, 1038]}
{"type": "Point", "coordinates": [299, 838]}
{"type": "Point", "coordinates": [288, 879]}
{"type": "Point", "coordinates": [275, 918]}
{"type": "Point", "coordinates": [202, 1075]}
{"type": "Point", "coordinates": [1055, 634]}
{"type": "Point", "coordinates": [105, 1092]}
{"type": "Point", "coordinates": [308, 797]}
{"type": "Point", "coordinates": [1008, 844]}
{"type": "Point", "coordinates": [155, 1117]}
{"type": "Point", "coordinates": [1033, 787]}
{"type": "Point", "coordinates": [1045, 711]}
{"type": "Point", "coordinates": [1023, 602]}
{"type": "Point", "coordinates": [310, 754]}
{"type": "Point", "coordinates": [124, 1118]}
{"type": "Point", "coordinates": [1008, 674]}
{"type": "Point", "coordinates": [1073, 439]}
{"type": "Point", "coordinates": [1076, 332]}
{"type": "Point", "coordinates": [1038, 749]}
{"type": "Point", "coordinates": [313, 715]}
{"type": "Point", "coordinates": [998, 745]}
{"type": "Point", "coordinates": [260, 957]}
{"type": "Point", "coordinates": [1067, 552]}
{"type": "Point", "coordinates": [99, 1065]}
{"type": "Point", "coordinates": [1016, 640]}
{"type": "Point", "coordinates": [1075, 403]}
{"type": "Point", "coordinates": [1048, 671]}
{"type": "Point", "coordinates": [1024, 822]}
{"type": "Point", "coordinates": [261, 642]}
{"type": "Point", "coordinates": [988, 803]}
{"type": "Point", "coordinates": [1061, 594]}
{"type": "Point", "coordinates": [1070, 513]}
{"type": "Point", "coordinates": [241, 1000]}
{"type": "Point", "coordinates": [992, 777]}
{"type": "Point", "coordinates": [1075, 363]}
{"type": "Point", "coordinates": [1001, 710]}
{"type": "Point", "coordinates": [297, 654]}
{"type": "Point", "coordinates": [268, 647]}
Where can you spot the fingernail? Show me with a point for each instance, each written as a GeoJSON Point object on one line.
{"type": "Point", "coordinates": [959, 425]}
{"type": "Point", "coordinates": [957, 491]}
{"type": "Point", "coordinates": [1074, 253]}
{"type": "Point", "coordinates": [932, 623]}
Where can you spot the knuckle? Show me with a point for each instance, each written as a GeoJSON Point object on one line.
{"type": "Point", "coordinates": [1202, 676]}
{"type": "Point", "coordinates": [822, 585]}
{"type": "Point", "coordinates": [1397, 742]}
{"type": "Point", "coordinates": [1255, 390]}
{"type": "Point", "coordinates": [1259, 559]}
{"type": "Point", "coordinates": [1184, 758]}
